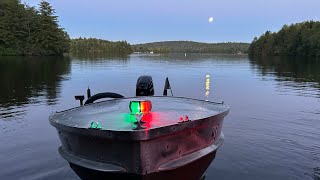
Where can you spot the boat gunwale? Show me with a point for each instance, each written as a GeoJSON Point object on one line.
{"type": "Point", "coordinates": [141, 134]}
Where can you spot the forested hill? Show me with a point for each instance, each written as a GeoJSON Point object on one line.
{"type": "Point", "coordinates": [191, 47]}
{"type": "Point", "coordinates": [300, 39]}
{"type": "Point", "coordinates": [25, 30]}
{"type": "Point", "coordinates": [93, 45]}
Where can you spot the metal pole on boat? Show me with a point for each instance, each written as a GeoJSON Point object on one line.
{"type": "Point", "coordinates": [166, 87]}
{"type": "Point", "coordinates": [88, 93]}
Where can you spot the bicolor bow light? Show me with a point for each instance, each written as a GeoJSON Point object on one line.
{"type": "Point", "coordinates": [140, 107]}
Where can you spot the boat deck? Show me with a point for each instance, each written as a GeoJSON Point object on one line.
{"type": "Point", "coordinates": [115, 114]}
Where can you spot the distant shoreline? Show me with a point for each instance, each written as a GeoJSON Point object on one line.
{"type": "Point", "coordinates": [244, 54]}
{"type": "Point", "coordinates": [191, 47]}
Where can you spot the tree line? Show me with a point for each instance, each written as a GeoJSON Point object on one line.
{"type": "Point", "coordinates": [93, 45]}
{"type": "Point", "coordinates": [25, 30]}
{"type": "Point", "coordinates": [192, 47]}
{"type": "Point", "coordinates": [300, 39]}
{"type": "Point", "coordinates": [31, 31]}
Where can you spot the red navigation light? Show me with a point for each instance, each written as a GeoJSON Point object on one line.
{"type": "Point", "coordinates": [145, 106]}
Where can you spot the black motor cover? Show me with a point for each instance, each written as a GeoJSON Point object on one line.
{"type": "Point", "coordinates": [144, 86]}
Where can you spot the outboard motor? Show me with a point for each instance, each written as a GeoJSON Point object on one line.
{"type": "Point", "coordinates": [144, 86]}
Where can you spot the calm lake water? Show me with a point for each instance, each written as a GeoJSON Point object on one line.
{"type": "Point", "coordinates": [272, 131]}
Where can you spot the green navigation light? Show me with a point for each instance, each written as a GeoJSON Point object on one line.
{"type": "Point", "coordinates": [135, 107]}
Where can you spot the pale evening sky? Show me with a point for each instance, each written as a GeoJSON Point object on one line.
{"type": "Point", "coordinates": [142, 21]}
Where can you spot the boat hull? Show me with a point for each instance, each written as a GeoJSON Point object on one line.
{"type": "Point", "coordinates": [181, 154]}
{"type": "Point", "coordinates": [169, 150]}
{"type": "Point", "coordinates": [192, 171]}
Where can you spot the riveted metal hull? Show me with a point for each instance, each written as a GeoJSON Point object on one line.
{"type": "Point", "coordinates": [179, 150]}
{"type": "Point", "coordinates": [192, 171]}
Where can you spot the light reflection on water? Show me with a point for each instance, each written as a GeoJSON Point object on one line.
{"type": "Point", "coordinates": [272, 131]}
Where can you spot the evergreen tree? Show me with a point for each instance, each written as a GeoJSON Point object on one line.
{"type": "Point", "coordinates": [11, 33]}
{"type": "Point", "coordinates": [300, 39]}
{"type": "Point", "coordinates": [30, 25]}
{"type": "Point", "coordinates": [52, 40]}
{"type": "Point", "coordinates": [26, 31]}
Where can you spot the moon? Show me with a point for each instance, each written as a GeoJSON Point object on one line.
{"type": "Point", "coordinates": [210, 19]}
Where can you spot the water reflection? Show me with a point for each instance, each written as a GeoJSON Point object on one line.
{"type": "Point", "coordinates": [207, 93]}
{"type": "Point", "coordinates": [99, 56]}
{"type": "Point", "coordinates": [298, 74]}
{"type": "Point", "coordinates": [317, 173]}
{"type": "Point", "coordinates": [24, 80]}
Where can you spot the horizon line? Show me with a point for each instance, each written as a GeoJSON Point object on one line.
{"type": "Point", "coordinates": [146, 42]}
